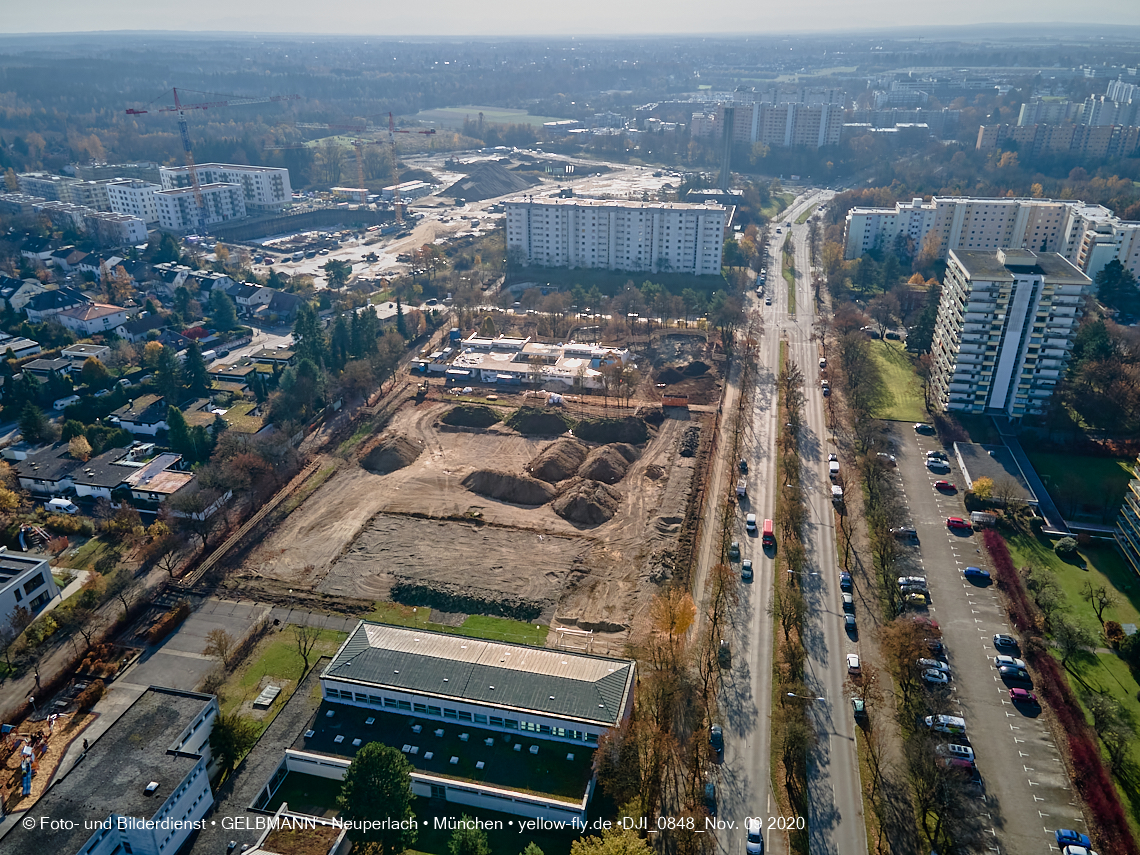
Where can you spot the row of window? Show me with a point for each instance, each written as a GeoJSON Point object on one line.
{"type": "Point", "coordinates": [459, 715]}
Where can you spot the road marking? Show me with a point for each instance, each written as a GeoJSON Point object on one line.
{"type": "Point", "coordinates": [1033, 784]}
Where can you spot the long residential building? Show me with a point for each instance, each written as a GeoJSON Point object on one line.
{"type": "Point", "coordinates": [178, 209]}
{"type": "Point", "coordinates": [131, 196]}
{"type": "Point", "coordinates": [264, 188]}
{"type": "Point", "coordinates": [781, 125]}
{"type": "Point", "coordinates": [615, 235]}
{"type": "Point", "coordinates": [1128, 523]}
{"type": "Point", "coordinates": [1088, 236]}
{"type": "Point", "coordinates": [1006, 324]}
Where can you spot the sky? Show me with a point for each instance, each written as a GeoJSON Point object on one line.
{"type": "Point", "coordinates": [528, 17]}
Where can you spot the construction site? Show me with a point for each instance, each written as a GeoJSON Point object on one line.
{"type": "Point", "coordinates": [496, 502]}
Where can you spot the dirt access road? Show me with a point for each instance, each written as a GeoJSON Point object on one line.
{"type": "Point", "coordinates": [361, 534]}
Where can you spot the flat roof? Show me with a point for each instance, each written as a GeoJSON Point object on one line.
{"type": "Point", "coordinates": [547, 772]}
{"type": "Point", "coordinates": [1001, 265]}
{"type": "Point", "coordinates": [576, 202]}
{"type": "Point", "coordinates": [13, 566]}
{"type": "Point", "coordinates": [996, 463]}
{"type": "Point", "coordinates": [558, 683]}
{"type": "Point", "coordinates": [133, 751]}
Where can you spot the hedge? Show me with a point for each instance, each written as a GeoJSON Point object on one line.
{"type": "Point", "coordinates": [168, 622]}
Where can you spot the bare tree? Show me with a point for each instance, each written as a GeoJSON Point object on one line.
{"type": "Point", "coordinates": [1099, 597]}
{"type": "Point", "coordinates": [167, 552]}
{"type": "Point", "coordinates": [221, 644]}
{"type": "Point", "coordinates": [1007, 492]}
{"type": "Point", "coordinates": [306, 636]}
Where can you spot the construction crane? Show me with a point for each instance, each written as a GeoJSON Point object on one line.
{"type": "Point", "coordinates": [392, 131]}
{"type": "Point", "coordinates": [184, 130]}
{"type": "Point", "coordinates": [357, 144]}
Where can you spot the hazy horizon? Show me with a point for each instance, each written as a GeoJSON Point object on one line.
{"type": "Point", "coordinates": [509, 18]}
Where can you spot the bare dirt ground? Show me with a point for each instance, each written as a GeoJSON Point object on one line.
{"type": "Point", "coordinates": [361, 534]}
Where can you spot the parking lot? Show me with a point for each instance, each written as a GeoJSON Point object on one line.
{"type": "Point", "coordinates": [1027, 793]}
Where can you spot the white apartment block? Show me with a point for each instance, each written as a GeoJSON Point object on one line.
{"type": "Point", "coordinates": [134, 197]}
{"type": "Point", "coordinates": [25, 582]}
{"type": "Point", "coordinates": [782, 125]}
{"type": "Point", "coordinates": [178, 209]}
{"type": "Point", "coordinates": [265, 188]}
{"type": "Point", "coordinates": [1006, 323]}
{"type": "Point", "coordinates": [614, 235]}
{"type": "Point", "coordinates": [979, 225]}
{"type": "Point", "coordinates": [61, 188]}
{"type": "Point", "coordinates": [112, 229]}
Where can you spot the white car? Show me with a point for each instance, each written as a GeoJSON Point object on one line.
{"type": "Point", "coordinates": [750, 522]}
{"type": "Point", "coordinates": [935, 678]}
{"type": "Point", "coordinates": [754, 840]}
{"type": "Point", "coordinates": [1008, 661]}
{"type": "Point", "coordinates": [1076, 849]}
{"type": "Point", "coordinates": [853, 664]}
{"type": "Point", "coordinates": [933, 663]}
{"type": "Point", "coordinates": [963, 752]}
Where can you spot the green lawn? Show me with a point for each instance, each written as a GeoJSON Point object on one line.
{"type": "Point", "coordinates": [453, 117]}
{"type": "Point", "coordinates": [84, 556]}
{"type": "Point", "coordinates": [980, 428]}
{"type": "Point", "coordinates": [475, 626]}
{"type": "Point", "coordinates": [899, 397]}
{"type": "Point", "coordinates": [1084, 487]}
{"type": "Point", "coordinates": [779, 202]}
{"type": "Point", "coordinates": [611, 282]}
{"type": "Point", "coordinates": [803, 218]}
{"type": "Point", "coordinates": [1104, 566]}
{"type": "Point", "coordinates": [790, 278]}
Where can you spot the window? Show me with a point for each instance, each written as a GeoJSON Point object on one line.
{"type": "Point", "coordinates": [420, 708]}
{"type": "Point", "coordinates": [496, 721]}
{"type": "Point", "coordinates": [511, 724]}
{"type": "Point", "coordinates": [361, 698]}
{"type": "Point", "coordinates": [466, 716]}
{"type": "Point", "coordinates": [390, 702]}
{"type": "Point", "coordinates": [374, 700]}
{"type": "Point", "coordinates": [332, 693]}
{"type": "Point", "coordinates": [450, 714]}
{"type": "Point", "coordinates": [404, 705]}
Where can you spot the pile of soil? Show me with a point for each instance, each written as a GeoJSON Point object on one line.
{"type": "Point", "coordinates": [629, 429]}
{"type": "Point", "coordinates": [487, 180]}
{"type": "Point", "coordinates": [651, 415]}
{"type": "Point", "coordinates": [391, 454]}
{"type": "Point", "coordinates": [696, 368]}
{"type": "Point", "coordinates": [516, 489]}
{"type": "Point", "coordinates": [532, 421]}
{"type": "Point", "coordinates": [690, 441]}
{"type": "Point", "coordinates": [669, 376]}
{"type": "Point", "coordinates": [588, 503]}
{"type": "Point", "coordinates": [559, 460]}
{"type": "Point", "coordinates": [471, 415]}
{"type": "Point", "coordinates": [608, 464]}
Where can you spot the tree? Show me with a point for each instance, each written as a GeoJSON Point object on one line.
{"type": "Point", "coordinates": [167, 374]}
{"type": "Point", "coordinates": [337, 272]}
{"type": "Point", "coordinates": [1071, 637]}
{"type": "Point", "coordinates": [401, 321]}
{"type": "Point", "coordinates": [192, 517]}
{"type": "Point", "coordinates": [95, 374]}
{"type": "Point", "coordinates": [884, 308]}
{"type": "Point", "coordinates": [34, 424]}
{"type": "Point", "coordinates": [531, 849]}
{"type": "Point", "coordinates": [231, 738]}
{"type": "Point", "coordinates": [79, 448]}
{"type": "Point", "coordinates": [165, 551]}
{"type": "Point", "coordinates": [921, 335]}
{"type": "Point", "coordinates": [306, 636]}
{"type": "Point", "coordinates": [614, 841]}
{"type": "Point", "coordinates": [308, 337]}
{"type": "Point", "coordinates": [194, 372]}
{"type": "Point", "coordinates": [178, 433]}
{"type": "Point", "coordinates": [378, 786]}
{"type": "Point", "coordinates": [1099, 597]}
{"type": "Point", "coordinates": [1116, 287]}
{"type": "Point", "coordinates": [224, 312]}
{"type": "Point", "coordinates": [221, 644]}
{"type": "Point", "coordinates": [468, 839]}
{"type": "Point", "coordinates": [984, 487]}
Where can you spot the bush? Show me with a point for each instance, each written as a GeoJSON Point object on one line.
{"type": "Point", "coordinates": [89, 696]}
{"type": "Point", "coordinates": [1113, 633]}
{"type": "Point", "coordinates": [168, 622]}
{"type": "Point", "coordinates": [64, 524]}
{"type": "Point", "coordinates": [1066, 547]}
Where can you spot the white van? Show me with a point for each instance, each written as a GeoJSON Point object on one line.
{"type": "Point", "coordinates": [946, 723]}
{"type": "Point", "coordinates": [61, 506]}
{"type": "Point", "coordinates": [64, 403]}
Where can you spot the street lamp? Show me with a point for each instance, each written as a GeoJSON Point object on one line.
{"type": "Point", "coordinates": [804, 697]}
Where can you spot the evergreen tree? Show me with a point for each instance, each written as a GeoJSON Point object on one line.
{"type": "Point", "coordinates": [468, 841]}
{"type": "Point", "coordinates": [401, 324]}
{"type": "Point", "coordinates": [378, 786]}
{"type": "Point", "coordinates": [1116, 288]}
{"type": "Point", "coordinates": [921, 335]}
{"type": "Point", "coordinates": [34, 424]}
{"type": "Point", "coordinates": [340, 344]}
{"type": "Point", "coordinates": [178, 433]}
{"type": "Point", "coordinates": [168, 375]}
{"type": "Point", "coordinates": [224, 312]}
{"type": "Point", "coordinates": [308, 337]}
{"type": "Point", "coordinates": [194, 372]}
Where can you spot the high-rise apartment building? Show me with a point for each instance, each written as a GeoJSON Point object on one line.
{"type": "Point", "coordinates": [961, 223]}
{"type": "Point", "coordinates": [61, 188]}
{"type": "Point", "coordinates": [178, 209]}
{"type": "Point", "coordinates": [1006, 323]}
{"type": "Point", "coordinates": [1128, 523]}
{"type": "Point", "coordinates": [131, 196]}
{"type": "Point", "coordinates": [788, 123]}
{"type": "Point", "coordinates": [614, 235]}
{"type": "Point", "coordinates": [265, 188]}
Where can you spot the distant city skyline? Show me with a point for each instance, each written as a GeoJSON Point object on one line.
{"type": "Point", "coordinates": [513, 17]}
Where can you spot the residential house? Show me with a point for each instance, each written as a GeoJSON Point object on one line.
{"type": "Point", "coordinates": [41, 369]}
{"type": "Point", "coordinates": [283, 306]}
{"type": "Point", "coordinates": [42, 307]}
{"type": "Point", "coordinates": [137, 329]}
{"type": "Point", "coordinates": [80, 353]}
{"type": "Point", "coordinates": [157, 480]}
{"type": "Point", "coordinates": [20, 346]}
{"type": "Point", "coordinates": [37, 249]}
{"type": "Point", "coordinates": [250, 298]}
{"type": "Point", "coordinates": [92, 318]}
{"type": "Point", "coordinates": [15, 293]}
{"type": "Point", "coordinates": [68, 258]}
{"type": "Point", "coordinates": [25, 581]}
{"type": "Point", "coordinates": [144, 415]}
{"type": "Point", "coordinates": [278, 358]}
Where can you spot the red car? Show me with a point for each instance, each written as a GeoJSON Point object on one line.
{"type": "Point", "coordinates": [945, 486]}
{"type": "Point", "coordinates": [957, 523]}
{"type": "Point", "coordinates": [1023, 696]}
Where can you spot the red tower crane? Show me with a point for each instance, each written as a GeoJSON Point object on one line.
{"type": "Point", "coordinates": [184, 130]}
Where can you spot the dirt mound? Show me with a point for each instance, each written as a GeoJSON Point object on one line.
{"type": "Point", "coordinates": [588, 503]}
{"type": "Point", "coordinates": [471, 415]}
{"type": "Point", "coordinates": [628, 429]}
{"type": "Point", "coordinates": [532, 421]}
{"type": "Point", "coordinates": [487, 180]}
{"type": "Point", "coordinates": [690, 441]}
{"type": "Point", "coordinates": [696, 368]}
{"type": "Point", "coordinates": [669, 376]}
{"type": "Point", "coordinates": [516, 489]}
{"type": "Point", "coordinates": [559, 460]}
{"type": "Point", "coordinates": [605, 464]}
{"type": "Point", "coordinates": [391, 454]}
{"type": "Point", "coordinates": [651, 415]}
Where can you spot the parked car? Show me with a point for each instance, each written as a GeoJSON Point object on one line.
{"type": "Point", "coordinates": [950, 749]}
{"type": "Point", "coordinates": [1018, 675]}
{"type": "Point", "coordinates": [823, 362]}
{"type": "Point", "coordinates": [1068, 837]}
{"type": "Point", "coordinates": [887, 458]}
{"type": "Point", "coordinates": [858, 709]}
{"type": "Point", "coordinates": [1008, 662]}
{"type": "Point", "coordinates": [848, 603]}
{"type": "Point", "coordinates": [946, 723]}
{"type": "Point", "coordinates": [1023, 696]}
{"type": "Point", "coordinates": [750, 523]}
{"type": "Point", "coordinates": [933, 663]}
{"type": "Point", "coordinates": [905, 533]}
{"type": "Point", "coordinates": [935, 646]}
{"type": "Point", "coordinates": [913, 589]}
{"type": "Point", "coordinates": [977, 573]}
{"type": "Point", "coordinates": [710, 798]}
{"type": "Point", "coordinates": [746, 570]}
{"type": "Point", "coordinates": [1077, 850]}
{"type": "Point", "coordinates": [945, 487]}
{"type": "Point", "coordinates": [853, 664]}
{"type": "Point", "coordinates": [845, 581]}
{"type": "Point", "coordinates": [849, 623]}
{"type": "Point", "coordinates": [1001, 640]}
{"type": "Point", "coordinates": [924, 429]}
{"type": "Point", "coordinates": [911, 580]}
{"type": "Point", "coordinates": [938, 455]}
{"type": "Point", "coordinates": [916, 600]}
{"type": "Point", "coordinates": [936, 465]}
{"type": "Point", "coordinates": [935, 678]}
{"type": "Point", "coordinates": [716, 739]}
{"type": "Point", "coordinates": [958, 524]}
{"type": "Point", "coordinates": [743, 465]}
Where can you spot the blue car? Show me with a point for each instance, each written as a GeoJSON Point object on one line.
{"type": "Point", "coordinates": [976, 573]}
{"type": "Point", "coordinates": [1068, 837]}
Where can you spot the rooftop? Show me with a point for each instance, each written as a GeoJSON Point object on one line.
{"type": "Point", "coordinates": [12, 566]}
{"type": "Point", "coordinates": [994, 462]}
{"type": "Point", "coordinates": [158, 476]}
{"type": "Point", "coordinates": [182, 191]}
{"type": "Point", "coordinates": [133, 751]}
{"type": "Point", "coordinates": [143, 410]}
{"type": "Point", "coordinates": [92, 311]}
{"type": "Point", "coordinates": [575, 686]}
{"type": "Point", "coordinates": [576, 202]}
{"type": "Point", "coordinates": [1003, 265]}
{"type": "Point", "coordinates": [546, 772]}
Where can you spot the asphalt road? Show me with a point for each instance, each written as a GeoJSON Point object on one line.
{"type": "Point", "coordinates": [1027, 793]}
